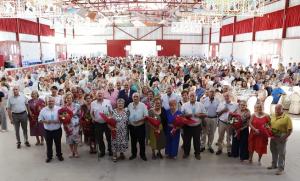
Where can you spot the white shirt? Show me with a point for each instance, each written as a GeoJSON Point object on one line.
{"type": "Point", "coordinates": [17, 104]}
{"type": "Point", "coordinates": [196, 108]}
{"type": "Point", "coordinates": [232, 107]}
{"type": "Point", "coordinates": [48, 114]}
{"type": "Point", "coordinates": [165, 100]}
{"type": "Point", "coordinates": [137, 113]}
{"type": "Point", "coordinates": [100, 107]}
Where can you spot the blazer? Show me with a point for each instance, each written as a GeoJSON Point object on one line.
{"type": "Point", "coordinates": [124, 96]}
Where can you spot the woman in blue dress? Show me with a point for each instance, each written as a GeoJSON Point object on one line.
{"type": "Point", "coordinates": [172, 141]}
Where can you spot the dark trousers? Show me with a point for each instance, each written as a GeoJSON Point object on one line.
{"type": "Point", "coordinates": [189, 133]}
{"type": "Point", "coordinates": [55, 136]}
{"type": "Point", "coordinates": [101, 128]}
{"type": "Point", "coordinates": [20, 120]}
{"type": "Point", "coordinates": [137, 135]}
{"type": "Point", "coordinates": [240, 145]}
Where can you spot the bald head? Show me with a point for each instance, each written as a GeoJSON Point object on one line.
{"type": "Point", "coordinates": [278, 110]}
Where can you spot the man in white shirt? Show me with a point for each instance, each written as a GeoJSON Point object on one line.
{"type": "Point", "coordinates": [211, 105]}
{"type": "Point", "coordinates": [17, 105]}
{"type": "Point", "coordinates": [170, 95]}
{"type": "Point", "coordinates": [223, 111]}
{"type": "Point", "coordinates": [53, 132]}
{"type": "Point", "coordinates": [101, 105]}
{"type": "Point", "coordinates": [195, 111]}
{"type": "Point", "coordinates": [137, 112]}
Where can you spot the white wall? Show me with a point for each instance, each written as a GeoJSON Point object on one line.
{"type": "Point", "coordinates": [293, 31]}
{"type": "Point", "coordinates": [7, 36]}
{"type": "Point", "coordinates": [225, 50]}
{"type": "Point", "coordinates": [290, 50]}
{"type": "Point", "coordinates": [294, 2]}
{"type": "Point", "coordinates": [87, 50]}
{"type": "Point", "coordinates": [30, 52]}
{"type": "Point", "coordinates": [48, 51]}
{"type": "Point", "coordinates": [269, 34]}
{"type": "Point", "coordinates": [242, 52]}
{"type": "Point", "coordinates": [190, 49]}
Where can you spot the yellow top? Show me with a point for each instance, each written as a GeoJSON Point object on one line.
{"type": "Point", "coordinates": [281, 123]}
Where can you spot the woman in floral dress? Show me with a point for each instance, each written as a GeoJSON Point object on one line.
{"type": "Point", "coordinates": [119, 144]}
{"type": "Point", "coordinates": [73, 137]}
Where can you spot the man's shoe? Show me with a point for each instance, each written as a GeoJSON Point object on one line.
{"type": "Point", "coordinates": [18, 145]}
{"type": "Point", "coordinates": [144, 158]}
{"type": "Point", "coordinates": [27, 144]}
{"type": "Point", "coordinates": [211, 150]}
{"type": "Point", "coordinates": [60, 158]}
{"type": "Point", "coordinates": [271, 167]}
{"type": "Point", "coordinates": [229, 154]}
{"type": "Point", "coordinates": [202, 149]}
{"type": "Point", "coordinates": [279, 172]}
{"type": "Point", "coordinates": [110, 153]}
{"type": "Point", "coordinates": [48, 160]}
{"type": "Point", "coordinates": [185, 156]}
{"type": "Point", "coordinates": [219, 152]}
{"type": "Point", "coordinates": [198, 157]}
{"type": "Point", "coordinates": [132, 157]}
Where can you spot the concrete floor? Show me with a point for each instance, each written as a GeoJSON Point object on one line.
{"type": "Point", "coordinates": [28, 164]}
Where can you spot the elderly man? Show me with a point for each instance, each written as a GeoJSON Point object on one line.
{"type": "Point", "coordinates": [17, 105]}
{"type": "Point", "coordinates": [210, 123]}
{"type": "Point", "coordinates": [101, 105]}
{"type": "Point", "coordinates": [170, 95]}
{"type": "Point", "coordinates": [126, 94]}
{"type": "Point", "coordinates": [223, 111]}
{"type": "Point", "coordinates": [196, 111]}
{"type": "Point", "coordinates": [137, 112]}
{"type": "Point", "coordinates": [49, 117]}
{"type": "Point", "coordinates": [282, 126]}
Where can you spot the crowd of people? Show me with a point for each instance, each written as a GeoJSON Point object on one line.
{"type": "Point", "coordinates": [132, 89]}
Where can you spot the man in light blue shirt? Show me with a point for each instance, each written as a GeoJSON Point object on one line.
{"type": "Point", "coordinates": [137, 112]}
{"type": "Point", "coordinates": [49, 117]}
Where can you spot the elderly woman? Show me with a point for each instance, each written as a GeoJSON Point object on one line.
{"type": "Point", "coordinates": [35, 106]}
{"type": "Point", "coordinates": [87, 124]}
{"type": "Point", "coordinates": [240, 137]}
{"type": "Point", "coordinates": [157, 142]}
{"type": "Point", "coordinates": [172, 141]}
{"type": "Point", "coordinates": [120, 143]}
{"type": "Point", "coordinates": [73, 138]}
{"type": "Point", "coordinates": [257, 142]}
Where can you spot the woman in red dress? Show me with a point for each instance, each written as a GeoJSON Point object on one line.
{"type": "Point", "coordinates": [257, 142]}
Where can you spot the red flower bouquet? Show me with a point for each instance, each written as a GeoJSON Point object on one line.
{"type": "Point", "coordinates": [266, 130]}
{"type": "Point", "coordinates": [235, 120]}
{"type": "Point", "coordinates": [179, 122]}
{"type": "Point", "coordinates": [65, 116]}
{"type": "Point", "coordinates": [155, 123]}
{"type": "Point", "coordinates": [112, 123]}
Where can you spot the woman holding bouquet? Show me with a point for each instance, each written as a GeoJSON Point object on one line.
{"type": "Point", "coordinates": [87, 124]}
{"type": "Point", "coordinates": [72, 135]}
{"type": "Point", "coordinates": [156, 135]}
{"type": "Point", "coordinates": [172, 140]}
{"type": "Point", "coordinates": [258, 142]}
{"type": "Point", "coordinates": [119, 144]}
{"type": "Point", "coordinates": [35, 106]}
{"type": "Point", "coordinates": [240, 137]}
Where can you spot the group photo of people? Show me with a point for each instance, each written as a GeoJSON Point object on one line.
{"type": "Point", "coordinates": [153, 108]}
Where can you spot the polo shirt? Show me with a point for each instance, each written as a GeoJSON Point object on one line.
{"type": "Point", "coordinates": [211, 107]}
{"type": "Point", "coordinates": [281, 123]}
{"type": "Point", "coordinates": [17, 104]}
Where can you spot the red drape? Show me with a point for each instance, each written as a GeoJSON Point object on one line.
{"type": "Point", "coordinates": [293, 16]}
{"type": "Point", "coordinates": [28, 27]}
{"type": "Point", "coordinates": [8, 24]}
{"type": "Point", "coordinates": [244, 26]}
{"type": "Point", "coordinates": [269, 21]}
{"type": "Point", "coordinates": [169, 47]}
{"type": "Point", "coordinates": [46, 31]}
{"type": "Point", "coordinates": [227, 30]}
{"type": "Point", "coordinates": [116, 48]}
